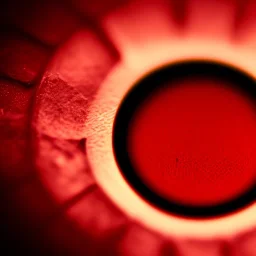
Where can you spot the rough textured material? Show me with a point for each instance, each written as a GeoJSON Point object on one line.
{"type": "Point", "coordinates": [69, 84]}
{"type": "Point", "coordinates": [22, 59]}
{"type": "Point", "coordinates": [63, 97]}
{"type": "Point", "coordinates": [60, 109]}
{"type": "Point", "coordinates": [59, 120]}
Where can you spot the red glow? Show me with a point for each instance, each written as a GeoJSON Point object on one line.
{"type": "Point", "coordinates": [62, 193]}
{"type": "Point", "coordinates": [195, 143]}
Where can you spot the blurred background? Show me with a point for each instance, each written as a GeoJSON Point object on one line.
{"type": "Point", "coordinates": [54, 56]}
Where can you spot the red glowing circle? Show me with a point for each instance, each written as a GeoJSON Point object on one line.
{"type": "Point", "coordinates": [185, 138]}
{"type": "Point", "coordinates": [195, 142]}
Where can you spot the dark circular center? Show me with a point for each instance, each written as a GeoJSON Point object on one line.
{"type": "Point", "coordinates": [185, 138]}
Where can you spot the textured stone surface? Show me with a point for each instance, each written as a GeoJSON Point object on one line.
{"type": "Point", "coordinates": [60, 109]}
{"type": "Point", "coordinates": [69, 84]}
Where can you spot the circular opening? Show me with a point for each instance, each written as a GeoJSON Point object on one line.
{"type": "Point", "coordinates": [185, 138]}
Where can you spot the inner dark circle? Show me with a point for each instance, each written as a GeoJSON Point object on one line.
{"type": "Point", "coordinates": [184, 138]}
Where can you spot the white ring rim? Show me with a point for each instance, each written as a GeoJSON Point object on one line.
{"type": "Point", "coordinates": [100, 154]}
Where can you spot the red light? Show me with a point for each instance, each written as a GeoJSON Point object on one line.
{"type": "Point", "coordinates": [195, 142]}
